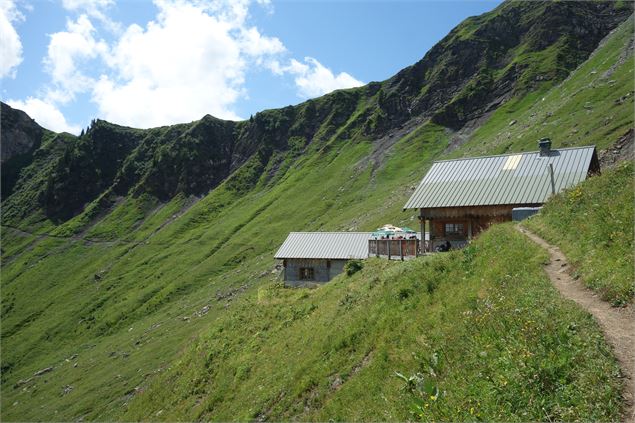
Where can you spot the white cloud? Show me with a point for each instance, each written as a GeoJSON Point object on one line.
{"type": "Point", "coordinates": [67, 51]}
{"type": "Point", "coordinates": [45, 114]}
{"type": "Point", "coordinates": [188, 62]}
{"type": "Point", "coordinates": [85, 5]}
{"type": "Point", "coordinates": [10, 44]}
{"type": "Point", "coordinates": [314, 79]}
{"type": "Point", "coordinates": [192, 59]}
{"type": "Point", "coordinates": [255, 44]}
{"type": "Point", "coordinates": [95, 9]}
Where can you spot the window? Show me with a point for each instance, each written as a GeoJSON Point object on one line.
{"type": "Point", "coordinates": [454, 229]}
{"type": "Point", "coordinates": [307, 274]}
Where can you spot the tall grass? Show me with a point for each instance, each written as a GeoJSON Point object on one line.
{"type": "Point", "coordinates": [481, 333]}
{"type": "Point", "coordinates": [593, 224]}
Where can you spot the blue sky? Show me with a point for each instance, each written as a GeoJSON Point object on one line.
{"type": "Point", "coordinates": [143, 64]}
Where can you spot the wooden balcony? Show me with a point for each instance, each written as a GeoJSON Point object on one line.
{"type": "Point", "coordinates": [394, 249]}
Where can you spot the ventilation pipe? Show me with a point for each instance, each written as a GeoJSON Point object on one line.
{"type": "Point", "coordinates": [545, 146]}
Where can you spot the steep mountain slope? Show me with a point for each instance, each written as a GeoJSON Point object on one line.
{"type": "Point", "coordinates": [516, 48]}
{"type": "Point", "coordinates": [21, 138]}
{"type": "Point", "coordinates": [117, 275]}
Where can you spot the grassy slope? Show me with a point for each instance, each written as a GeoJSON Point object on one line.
{"type": "Point", "coordinates": [222, 243]}
{"type": "Point", "coordinates": [593, 224]}
{"type": "Point", "coordinates": [128, 324]}
{"type": "Point", "coordinates": [507, 346]}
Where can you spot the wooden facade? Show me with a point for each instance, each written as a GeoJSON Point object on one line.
{"type": "Point", "coordinates": [460, 224]}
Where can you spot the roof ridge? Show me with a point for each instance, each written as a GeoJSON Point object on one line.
{"type": "Point", "coordinates": [511, 154]}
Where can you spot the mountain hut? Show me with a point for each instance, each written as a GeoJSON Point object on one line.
{"type": "Point", "coordinates": [460, 198]}
{"type": "Point", "coordinates": [310, 258]}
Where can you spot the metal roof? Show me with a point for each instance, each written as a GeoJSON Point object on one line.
{"type": "Point", "coordinates": [521, 178]}
{"type": "Point", "coordinates": [325, 245]}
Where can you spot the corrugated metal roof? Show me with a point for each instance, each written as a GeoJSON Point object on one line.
{"type": "Point", "coordinates": [325, 245]}
{"type": "Point", "coordinates": [519, 178]}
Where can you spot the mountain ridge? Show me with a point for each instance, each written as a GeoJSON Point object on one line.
{"type": "Point", "coordinates": [468, 74]}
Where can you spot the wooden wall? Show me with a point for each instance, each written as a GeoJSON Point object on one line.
{"type": "Point", "coordinates": [474, 219]}
{"type": "Point", "coordinates": [473, 212]}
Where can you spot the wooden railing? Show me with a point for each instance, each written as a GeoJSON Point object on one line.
{"type": "Point", "coordinates": [393, 248]}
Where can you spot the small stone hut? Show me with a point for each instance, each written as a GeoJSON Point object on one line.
{"type": "Point", "coordinates": [460, 198]}
{"type": "Point", "coordinates": [316, 257]}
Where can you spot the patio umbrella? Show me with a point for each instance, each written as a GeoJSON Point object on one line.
{"type": "Point", "coordinates": [382, 232]}
{"type": "Point", "coordinates": [408, 230]}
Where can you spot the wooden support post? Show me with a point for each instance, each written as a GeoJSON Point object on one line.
{"type": "Point", "coordinates": [401, 248]}
{"type": "Point", "coordinates": [389, 248]}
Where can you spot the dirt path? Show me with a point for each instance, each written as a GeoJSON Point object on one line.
{"type": "Point", "coordinates": [23, 233]}
{"type": "Point", "coordinates": [618, 324]}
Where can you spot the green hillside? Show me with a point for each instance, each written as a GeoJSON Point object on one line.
{"type": "Point", "coordinates": [127, 254]}
{"type": "Point", "coordinates": [593, 224]}
{"type": "Point", "coordinates": [481, 332]}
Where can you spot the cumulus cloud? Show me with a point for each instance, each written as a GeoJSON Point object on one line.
{"type": "Point", "coordinates": [45, 114]}
{"type": "Point", "coordinates": [313, 78]}
{"type": "Point", "coordinates": [254, 44]}
{"type": "Point", "coordinates": [188, 62]}
{"type": "Point", "coordinates": [67, 51]}
{"type": "Point", "coordinates": [94, 8]}
{"type": "Point", "coordinates": [10, 44]}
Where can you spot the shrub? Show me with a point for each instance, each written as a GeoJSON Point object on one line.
{"type": "Point", "coordinates": [353, 266]}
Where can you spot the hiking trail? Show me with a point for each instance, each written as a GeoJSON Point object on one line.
{"type": "Point", "coordinates": [618, 324]}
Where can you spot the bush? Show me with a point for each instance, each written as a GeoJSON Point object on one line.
{"type": "Point", "coordinates": [353, 266]}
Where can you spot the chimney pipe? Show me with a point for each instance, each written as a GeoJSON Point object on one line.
{"type": "Point", "coordinates": [545, 146]}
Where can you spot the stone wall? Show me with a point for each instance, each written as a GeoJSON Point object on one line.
{"type": "Point", "coordinates": [323, 270]}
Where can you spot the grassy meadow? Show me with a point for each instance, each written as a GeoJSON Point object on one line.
{"type": "Point", "coordinates": [477, 334]}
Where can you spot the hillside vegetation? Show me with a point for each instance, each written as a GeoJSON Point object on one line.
{"type": "Point", "coordinates": [121, 247]}
{"type": "Point", "coordinates": [480, 334]}
{"type": "Point", "coordinates": [593, 225]}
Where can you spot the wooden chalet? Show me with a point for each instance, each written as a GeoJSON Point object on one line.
{"type": "Point", "coordinates": [460, 198]}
